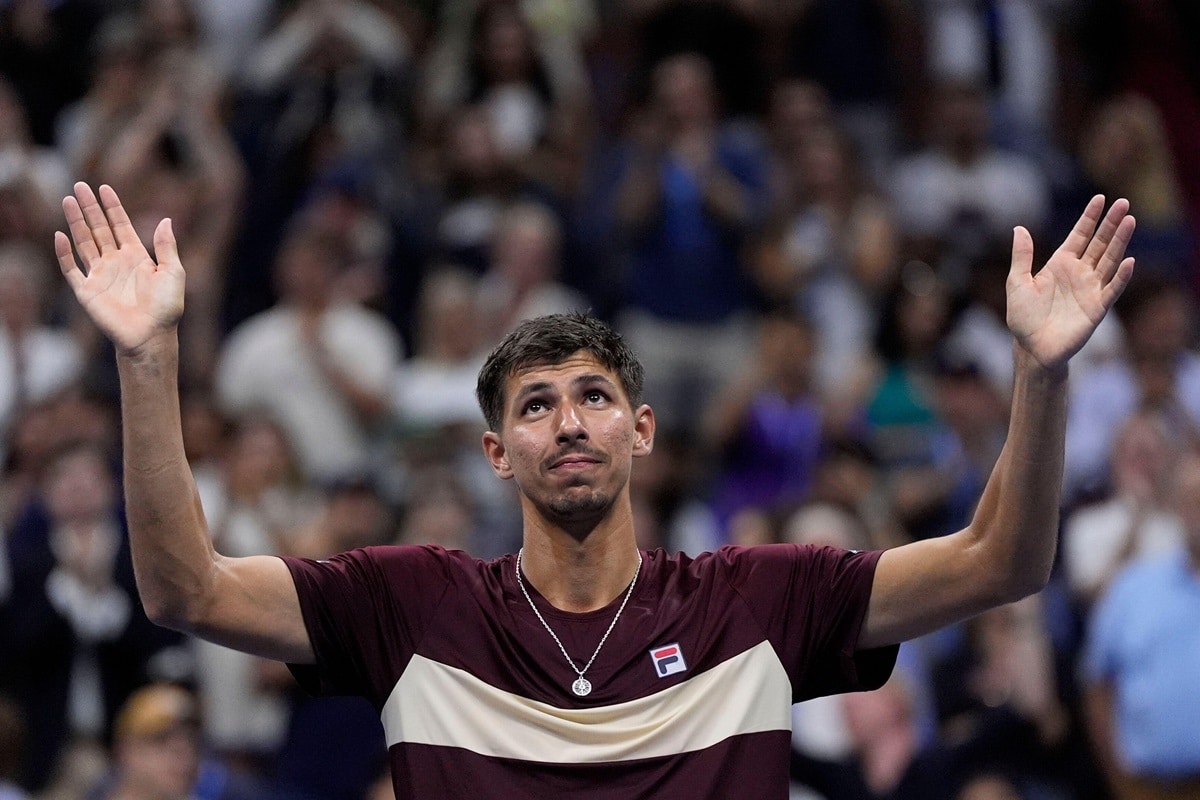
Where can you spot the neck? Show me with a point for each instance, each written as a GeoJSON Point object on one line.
{"type": "Point", "coordinates": [580, 574]}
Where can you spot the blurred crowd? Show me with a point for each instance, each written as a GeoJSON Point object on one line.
{"type": "Point", "coordinates": [798, 212]}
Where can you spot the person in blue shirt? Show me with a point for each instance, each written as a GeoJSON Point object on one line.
{"type": "Point", "coordinates": [1142, 664]}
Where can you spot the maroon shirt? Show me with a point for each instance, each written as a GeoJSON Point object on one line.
{"type": "Point", "coordinates": [691, 692]}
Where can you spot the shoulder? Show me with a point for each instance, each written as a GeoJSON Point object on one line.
{"type": "Point", "coordinates": [393, 566]}
{"type": "Point", "coordinates": [768, 563]}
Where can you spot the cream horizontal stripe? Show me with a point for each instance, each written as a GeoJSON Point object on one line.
{"type": "Point", "coordinates": [436, 704]}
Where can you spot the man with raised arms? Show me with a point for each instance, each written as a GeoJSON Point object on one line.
{"type": "Point", "coordinates": [581, 665]}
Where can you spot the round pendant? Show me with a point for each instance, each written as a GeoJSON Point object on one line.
{"type": "Point", "coordinates": [582, 687]}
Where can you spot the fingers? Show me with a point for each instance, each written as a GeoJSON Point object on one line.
{"type": "Point", "coordinates": [81, 234]}
{"type": "Point", "coordinates": [122, 228]}
{"type": "Point", "coordinates": [95, 218]}
{"type": "Point", "coordinates": [1108, 263]}
{"type": "Point", "coordinates": [1022, 254]}
{"type": "Point", "coordinates": [1080, 236]}
{"type": "Point", "coordinates": [1099, 244]}
{"type": "Point", "coordinates": [1113, 289]}
{"type": "Point", "coordinates": [66, 261]}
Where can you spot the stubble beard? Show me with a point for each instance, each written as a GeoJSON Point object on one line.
{"type": "Point", "coordinates": [579, 506]}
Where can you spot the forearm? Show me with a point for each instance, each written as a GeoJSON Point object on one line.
{"type": "Point", "coordinates": [1016, 523]}
{"type": "Point", "coordinates": [173, 556]}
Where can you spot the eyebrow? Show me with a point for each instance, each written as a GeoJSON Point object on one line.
{"type": "Point", "coordinates": [540, 386]}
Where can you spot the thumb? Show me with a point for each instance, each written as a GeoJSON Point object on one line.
{"type": "Point", "coordinates": [1022, 254]}
{"type": "Point", "coordinates": [165, 250]}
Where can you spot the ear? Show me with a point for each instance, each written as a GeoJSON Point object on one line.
{"type": "Point", "coordinates": [493, 448]}
{"type": "Point", "coordinates": [643, 431]}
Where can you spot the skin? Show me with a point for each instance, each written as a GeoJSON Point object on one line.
{"type": "Point", "coordinates": [568, 439]}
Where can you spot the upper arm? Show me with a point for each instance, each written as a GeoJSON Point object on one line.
{"type": "Point", "coordinates": [254, 607]}
{"type": "Point", "coordinates": [926, 585]}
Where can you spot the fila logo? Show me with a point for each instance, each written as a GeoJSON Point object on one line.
{"type": "Point", "coordinates": [668, 660]}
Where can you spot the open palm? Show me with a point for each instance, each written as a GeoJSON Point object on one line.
{"type": "Point", "coordinates": [1053, 313]}
{"type": "Point", "coordinates": [131, 298]}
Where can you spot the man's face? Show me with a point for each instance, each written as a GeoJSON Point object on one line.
{"type": "Point", "coordinates": [569, 437]}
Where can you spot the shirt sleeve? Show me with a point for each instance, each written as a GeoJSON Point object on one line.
{"type": "Point", "coordinates": [812, 604]}
{"type": "Point", "coordinates": [366, 611]}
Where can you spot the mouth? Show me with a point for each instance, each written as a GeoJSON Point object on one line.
{"type": "Point", "coordinates": [574, 460]}
{"type": "Point", "coordinates": [573, 463]}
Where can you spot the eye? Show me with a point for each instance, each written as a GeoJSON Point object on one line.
{"type": "Point", "coordinates": [594, 396]}
{"type": "Point", "coordinates": [533, 407]}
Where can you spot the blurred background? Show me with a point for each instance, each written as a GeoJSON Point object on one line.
{"type": "Point", "coordinates": [799, 214]}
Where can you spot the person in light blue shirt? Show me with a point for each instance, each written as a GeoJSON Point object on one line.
{"type": "Point", "coordinates": [1142, 664]}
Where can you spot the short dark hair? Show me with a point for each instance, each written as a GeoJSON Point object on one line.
{"type": "Point", "coordinates": [553, 339]}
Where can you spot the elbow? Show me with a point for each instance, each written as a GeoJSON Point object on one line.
{"type": "Point", "coordinates": [1007, 577]}
{"type": "Point", "coordinates": [1018, 580]}
{"type": "Point", "coordinates": [165, 615]}
{"type": "Point", "coordinates": [175, 611]}
{"type": "Point", "coordinates": [1018, 587]}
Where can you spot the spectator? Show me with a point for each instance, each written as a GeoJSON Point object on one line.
{"type": "Point", "coordinates": [36, 360]}
{"type": "Point", "coordinates": [522, 281]}
{"type": "Point", "coordinates": [1125, 153]}
{"type": "Point", "coordinates": [465, 186]}
{"type": "Point", "coordinates": [961, 191]}
{"type": "Point", "coordinates": [434, 392]}
{"type": "Point", "coordinates": [862, 52]}
{"type": "Point", "coordinates": [903, 427]}
{"type": "Point", "coordinates": [1009, 47]}
{"type": "Point", "coordinates": [832, 253]}
{"type": "Point", "coordinates": [1142, 660]}
{"type": "Point", "coordinates": [256, 504]}
{"type": "Point", "coordinates": [437, 414]}
{"type": "Point", "coordinates": [798, 110]}
{"type": "Point", "coordinates": [973, 419]}
{"type": "Point", "coordinates": [323, 94]}
{"type": "Point", "coordinates": [766, 429]}
{"type": "Point", "coordinates": [691, 192]}
{"type": "Point", "coordinates": [80, 642]}
{"type": "Point", "coordinates": [319, 365]}
{"type": "Point", "coordinates": [158, 752]}
{"type": "Point", "coordinates": [531, 86]}
{"type": "Point", "coordinates": [1006, 662]}
{"type": "Point", "coordinates": [114, 94]}
{"type": "Point", "coordinates": [1160, 371]}
{"type": "Point", "coordinates": [174, 159]}
{"type": "Point", "coordinates": [42, 166]}
{"type": "Point", "coordinates": [156, 742]}
{"type": "Point", "coordinates": [891, 761]}
{"type": "Point", "coordinates": [1135, 520]}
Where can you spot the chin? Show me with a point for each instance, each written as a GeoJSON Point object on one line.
{"type": "Point", "coordinates": [579, 505]}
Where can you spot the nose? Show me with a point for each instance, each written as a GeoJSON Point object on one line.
{"type": "Point", "coordinates": [570, 424]}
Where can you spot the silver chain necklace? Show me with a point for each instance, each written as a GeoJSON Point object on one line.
{"type": "Point", "coordinates": [582, 686]}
